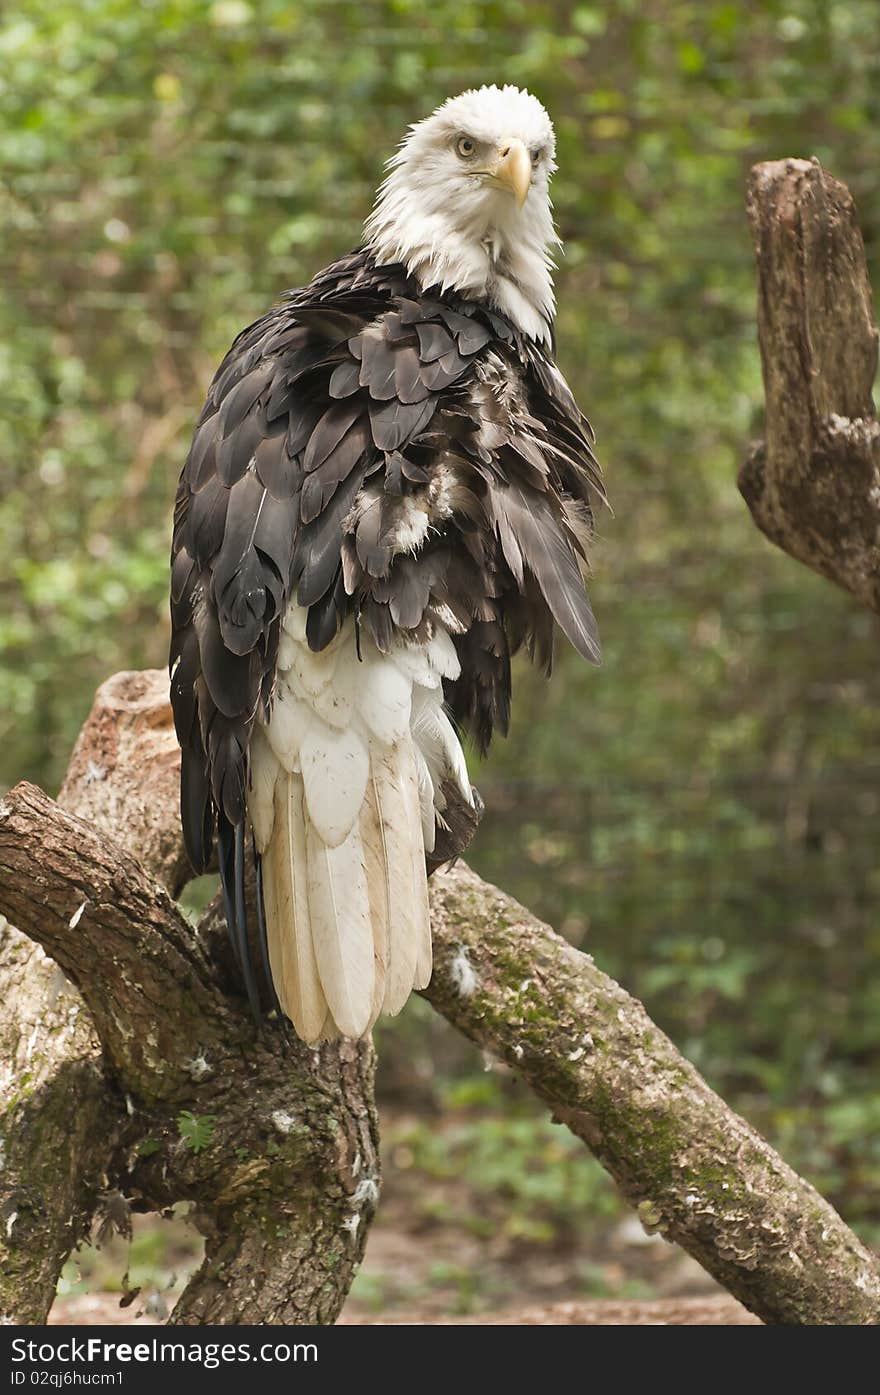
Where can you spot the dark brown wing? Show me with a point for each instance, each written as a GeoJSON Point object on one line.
{"type": "Point", "coordinates": [540, 484]}
{"type": "Point", "coordinates": [351, 405]}
{"type": "Point", "coordinates": [311, 402]}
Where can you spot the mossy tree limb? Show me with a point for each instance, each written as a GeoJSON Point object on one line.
{"type": "Point", "coordinates": [287, 1180]}
{"type": "Point", "coordinates": [693, 1169]}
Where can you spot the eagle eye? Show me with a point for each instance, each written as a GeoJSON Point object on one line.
{"type": "Point", "coordinates": [465, 147]}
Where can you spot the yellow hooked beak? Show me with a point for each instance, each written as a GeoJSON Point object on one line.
{"type": "Point", "coordinates": [513, 169]}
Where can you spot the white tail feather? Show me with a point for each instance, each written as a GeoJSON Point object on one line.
{"type": "Point", "coordinates": [396, 789]}
{"type": "Point", "coordinates": [356, 754]}
{"type": "Point", "coordinates": [378, 892]}
{"type": "Point", "coordinates": [342, 934]}
{"type": "Point", "coordinates": [435, 738]}
{"type": "Point", "coordinates": [264, 771]}
{"type": "Point", "coordinates": [426, 802]}
{"type": "Point", "coordinates": [288, 918]}
{"type": "Point", "coordinates": [421, 928]}
{"type": "Point", "coordinates": [335, 767]}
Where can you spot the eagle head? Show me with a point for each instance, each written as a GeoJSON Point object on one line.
{"type": "Point", "coordinates": [466, 204]}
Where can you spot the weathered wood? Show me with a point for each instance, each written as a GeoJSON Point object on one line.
{"type": "Point", "coordinates": [286, 1187]}
{"type": "Point", "coordinates": [294, 1132]}
{"type": "Point", "coordinates": [126, 764]}
{"type": "Point", "coordinates": [813, 484]}
{"type": "Point", "coordinates": [55, 1100]}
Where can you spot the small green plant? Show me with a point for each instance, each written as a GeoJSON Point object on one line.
{"type": "Point", "coordinates": [196, 1130]}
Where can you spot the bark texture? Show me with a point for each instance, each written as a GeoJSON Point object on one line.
{"type": "Point", "coordinates": [812, 484]}
{"type": "Point", "coordinates": [288, 1177]}
{"type": "Point", "coordinates": [693, 1170]}
{"type": "Point", "coordinates": [54, 1102]}
{"type": "Point", "coordinates": [102, 1089]}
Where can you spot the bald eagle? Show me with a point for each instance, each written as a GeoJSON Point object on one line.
{"type": "Point", "coordinates": [390, 490]}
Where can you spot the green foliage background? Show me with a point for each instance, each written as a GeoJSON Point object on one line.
{"type": "Point", "coordinates": [701, 812]}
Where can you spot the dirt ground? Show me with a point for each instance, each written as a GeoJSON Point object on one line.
{"type": "Point", "coordinates": [460, 1237]}
{"type": "Point", "coordinates": [442, 1275]}
{"type": "Point", "coordinates": [103, 1308]}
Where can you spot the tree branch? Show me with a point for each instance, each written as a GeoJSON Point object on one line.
{"type": "Point", "coordinates": [54, 1103]}
{"type": "Point", "coordinates": [812, 484]}
{"type": "Point", "coordinates": [287, 1176]}
{"type": "Point", "coordinates": [124, 766]}
{"type": "Point", "coordinates": [174, 1038]}
{"type": "Point", "coordinates": [693, 1169]}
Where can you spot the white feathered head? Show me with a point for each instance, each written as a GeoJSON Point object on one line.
{"type": "Point", "coordinates": [466, 203]}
